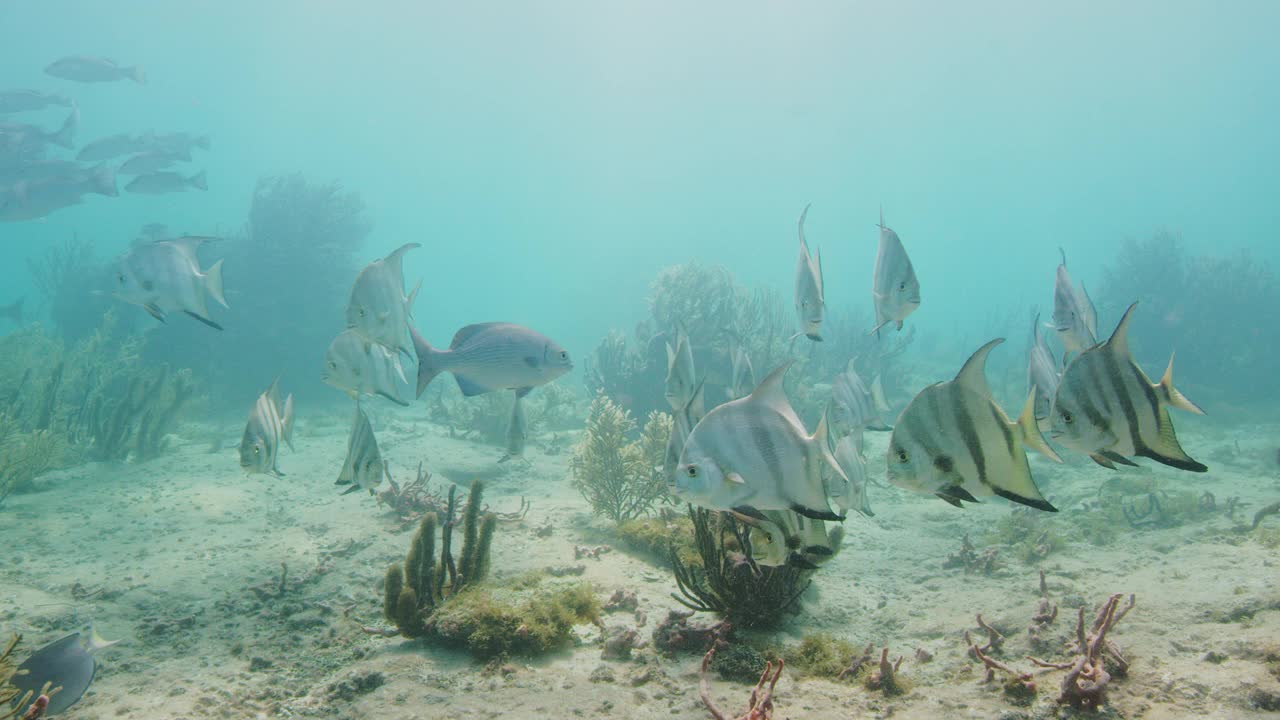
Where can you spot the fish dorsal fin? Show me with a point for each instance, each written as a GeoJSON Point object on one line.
{"type": "Point", "coordinates": [96, 642]}
{"type": "Point", "coordinates": [1118, 343]}
{"type": "Point", "coordinates": [769, 392]}
{"type": "Point", "coordinates": [671, 355]}
{"type": "Point", "coordinates": [466, 333]}
{"type": "Point", "coordinates": [393, 260]}
{"type": "Point", "coordinates": [882, 227]}
{"type": "Point", "coordinates": [974, 373]}
{"type": "Point", "coordinates": [804, 246]}
{"type": "Point", "coordinates": [818, 270]}
{"type": "Point", "coordinates": [273, 393]}
{"type": "Point", "coordinates": [188, 243]}
{"type": "Point", "coordinates": [696, 402]}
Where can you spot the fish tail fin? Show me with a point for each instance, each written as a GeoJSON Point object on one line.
{"type": "Point", "coordinates": [1030, 429]}
{"type": "Point", "coordinates": [1170, 394]}
{"type": "Point", "coordinates": [1167, 449]}
{"type": "Point", "coordinates": [213, 283]}
{"type": "Point", "coordinates": [138, 75]}
{"type": "Point", "coordinates": [66, 135]}
{"type": "Point", "coordinates": [428, 360]}
{"type": "Point", "coordinates": [96, 642]}
{"type": "Point", "coordinates": [199, 181]}
{"type": "Point", "coordinates": [104, 181]}
{"type": "Point", "coordinates": [286, 422]}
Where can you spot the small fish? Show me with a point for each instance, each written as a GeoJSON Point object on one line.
{"type": "Point", "coordinates": [954, 441]}
{"type": "Point", "coordinates": [113, 146]}
{"type": "Point", "coordinates": [810, 306]}
{"type": "Point", "coordinates": [682, 423]}
{"type": "Point", "coordinates": [1074, 316]}
{"type": "Point", "coordinates": [364, 466]}
{"type": "Point", "coordinates": [1108, 408]}
{"type": "Point", "coordinates": [88, 69]}
{"type": "Point", "coordinates": [16, 101]}
{"type": "Point", "coordinates": [13, 311]}
{"type": "Point", "coordinates": [853, 494]}
{"type": "Point", "coordinates": [178, 143]}
{"type": "Point", "coordinates": [165, 275]}
{"type": "Point", "coordinates": [493, 356]}
{"type": "Point", "coordinates": [361, 367]}
{"type": "Point", "coordinates": [23, 134]}
{"type": "Point", "coordinates": [159, 183]}
{"type": "Point", "coordinates": [895, 289]}
{"type": "Point", "coordinates": [1042, 372]}
{"type": "Point", "coordinates": [66, 663]}
{"type": "Point", "coordinates": [681, 383]}
{"type": "Point", "coordinates": [517, 431]}
{"type": "Point", "coordinates": [854, 407]}
{"type": "Point", "coordinates": [378, 309]}
{"type": "Point", "coordinates": [743, 375]}
{"type": "Point", "coordinates": [754, 454]}
{"type": "Point", "coordinates": [783, 537]}
{"type": "Point", "coordinates": [38, 170]}
{"type": "Point", "coordinates": [268, 424]}
{"type": "Point", "coordinates": [145, 163]}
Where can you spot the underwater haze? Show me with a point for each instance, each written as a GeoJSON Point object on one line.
{"type": "Point", "coordinates": [290, 291]}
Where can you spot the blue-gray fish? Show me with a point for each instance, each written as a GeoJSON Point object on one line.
{"type": "Point", "coordinates": [954, 441]}
{"type": "Point", "coordinates": [151, 161]}
{"type": "Point", "coordinates": [1042, 372]}
{"type": "Point", "coordinates": [1108, 408]}
{"type": "Point", "coordinates": [13, 311]}
{"type": "Point", "coordinates": [269, 424]}
{"type": "Point", "coordinates": [66, 663]}
{"type": "Point", "coordinates": [683, 421]}
{"type": "Point", "coordinates": [165, 276]}
{"type": "Point", "coordinates": [754, 454]}
{"type": "Point", "coordinates": [29, 200]}
{"type": "Point", "coordinates": [1074, 316]}
{"type": "Point", "coordinates": [113, 146]}
{"type": "Point", "coordinates": [160, 183]}
{"type": "Point", "coordinates": [809, 298]}
{"type": "Point", "coordinates": [517, 432]}
{"type": "Point", "coordinates": [493, 356]}
{"type": "Point", "coordinates": [364, 466]}
{"type": "Point", "coordinates": [16, 101]}
{"type": "Point", "coordinates": [895, 289]}
{"type": "Point", "coordinates": [681, 383]}
{"type": "Point", "coordinates": [359, 366]}
{"type": "Point", "coordinates": [743, 374]}
{"type": "Point", "coordinates": [855, 407]}
{"type": "Point", "coordinates": [22, 134]}
{"type": "Point", "coordinates": [378, 308]}
{"type": "Point", "coordinates": [853, 493]}
{"type": "Point", "coordinates": [87, 69]}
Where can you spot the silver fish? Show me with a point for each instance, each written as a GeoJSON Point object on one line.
{"type": "Point", "coordinates": [378, 308]}
{"type": "Point", "coordinates": [853, 494]}
{"type": "Point", "coordinates": [359, 366]}
{"type": "Point", "coordinates": [164, 276]}
{"type": "Point", "coordinates": [855, 407]}
{"type": "Point", "coordinates": [1042, 372]}
{"type": "Point", "coordinates": [29, 200]}
{"type": "Point", "coordinates": [954, 441]}
{"type": "Point", "coordinates": [680, 382]}
{"type": "Point", "coordinates": [179, 143]}
{"type": "Point", "coordinates": [145, 163]}
{"type": "Point", "coordinates": [783, 537]}
{"type": "Point", "coordinates": [743, 376]}
{"type": "Point", "coordinates": [810, 305]}
{"type": "Point", "coordinates": [16, 101]}
{"type": "Point", "coordinates": [22, 134]}
{"type": "Point", "coordinates": [754, 454]}
{"type": "Point", "coordinates": [895, 289]}
{"type": "Point", "coordinates": [682, 423]}
{"type": "Point", "coordinates": [364, 466]}
{"type": "Point", "coordinates": [1074, 316]}
{"type": "Point", "coordinates": [113, 146]}
{"type": "Point", "coordinates": [88, 69]}
{"type": "Point", "coordinates": [269, 424]}
{"type": "Point", "coordinates": [38, 170]}
{"type": "Point", "coordinates": [1108, 408]}
{"type": "Point", "coordinates": [13, 311]}
{"type": "Point", "coordinates": [67, 664]}
{"type": "Point", "coordinates": [517, 431]}
{"type": "Point", "coordinates": [159, 183]}
{"type": "Point", "coordinates": [493, 356]}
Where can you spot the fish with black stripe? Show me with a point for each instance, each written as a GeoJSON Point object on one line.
{"type": "Point", "coordinates": [810, 305]}
{"type": "Point", "coordinates": [954, 441]}
{"type": "Point", "coordinates": [364, 466]}
{"type": "Point", "coordinates": [1042, 373]}
{"type": "Point", "coordinates": [895, 287]}
{"type": "Point", "coordinates": [1074, 316]}
{"type": "Point", "coordinates": [269, 424]}
{"type": "Point", "coordinates": [1108, 408]}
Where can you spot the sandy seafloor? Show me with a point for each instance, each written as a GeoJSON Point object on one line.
{"type": "Point", "coordinates": [166, 555]}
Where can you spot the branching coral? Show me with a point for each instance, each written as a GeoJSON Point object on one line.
{"type": "Point", "coordinates": [139, 419]}
{"type": "Point", "coordinates": [620, 480]}
{"type": "Point", "coordinates": [1087, 678]}
{"type": "Point", "coordinates": [761, 704]}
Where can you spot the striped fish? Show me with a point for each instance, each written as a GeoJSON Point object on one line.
{"type": "Point", "coordinates": [359, 366]}
{"type": "Point", "coordinates": [1042, 373]}
{"type": "Point", "coordinates": [810, 306]}
{"type": "Point", "coordinates": [855, 407]}
{"type": "Point", "coordinates": [954, 441]}
{"type": "Point", "coordinates": [268, 425]}
{"type": "Point", "coordinates": [682, 423]}
{"type": "Point", "coordinates": [364, 466]}
{"type": "Point", "coordinates": [783, 537]}
{"type": "Point", "coordinates": [895, 289]}
{"type": "Point", "coordinates": [517, 431]}
{"type": "Point", "coordinates": [754, 454]}
{"type": "Point", "coordinates": [493, 356]}
{"type": "Point", "coordinates": [1074, 316]}
{"type": "Point", "coordinates": [378, 309]}
{"type": "Point", "coordinates": [680, 385]}
{"type": "Point", "coordinates": [1107, 407]}
{"type": "Point", "coordinates": [743, 375]}
{"type": "Point", "coordinates": [851, 494]}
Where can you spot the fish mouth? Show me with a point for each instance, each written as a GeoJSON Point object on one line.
{"type": "Point", "coordinates": [914, 301]}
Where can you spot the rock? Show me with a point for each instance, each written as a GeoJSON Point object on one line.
{"type": "Point", "coordinates": [356, 684]}
{"type": "Point", "coordinates": [603, 673]}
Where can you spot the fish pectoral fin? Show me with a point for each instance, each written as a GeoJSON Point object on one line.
{"type": "Point", "coordinates": [203, 319]}
{"type": "Point", "coordinates": [950, 500]}
{"type": "Point", "coordinates": [819, 550]}
{"type": "Point", "coordinates": [1116, 457]}
{"type": "Point", "coordinates": [750, 512]}
{"type": "Point", "coordinates": [1104, 460]}
{"type": "Point", "coordinates": [521, 392]}
{"type": "Point", "coordinates": [958, 492]}
{"type": "Point", "coordinates": [531, 361]}
{"type": "Point", "coordinates": [154, 311]}
{"type": "Point", "coordinates": [470, 388]}
{"type": "Point", "coordinates": [816, 514]}
{"type": "Point", "coordinates": [735, 478]}
{"type": "Point", "coordinates": [796, 560]}
{"type": "Point", "coordinates": [352, 489]}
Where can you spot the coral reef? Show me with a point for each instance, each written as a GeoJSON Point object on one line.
{"type": "Point", "coordinates": [139, 419]}
{"type": "Point", "coordinates": [619, 479]}
{"type": "Point", "coordinates": [761, 705]}
{"type": "Point", "coordinates": [1087, 678]}
{"type": "Point", "coordinates": [727, 581]}
{"type": "Point", "coordinates": [67, 277]}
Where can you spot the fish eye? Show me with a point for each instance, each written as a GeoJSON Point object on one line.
{"type": "Point", "coordinates": [1067, 417]}
{"type": "Point", "coordinates": [148, 285]}
{"type": "Point", "coordinates": [902, 455]}
{"type": "Point", "coordinates": [564, 355]}
{"type": "Point", "coordinates": [333, 365]}
{"type": "Point", "coordinates": [257, 450]}
{"type": "Point", "coordinates": [692, 471]}
{"type": "Point", "coordinates": [902, 285]}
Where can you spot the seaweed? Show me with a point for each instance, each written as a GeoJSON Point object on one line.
{"type": "Point", "coordinates": [621, 480]}
{"type": "Point", "coordinates": [139, 419]}
{"type": "Point", "coordinates": [25, 456]}
{"type": "Point", "coordinates": [726, 580]}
